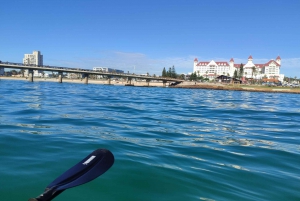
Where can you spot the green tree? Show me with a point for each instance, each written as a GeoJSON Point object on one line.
{"type": "Point", "coordinates": [181, 76]}
{"type": "Point", "coordinates": [169, 72]}
{"type": "Point", "coordinates": [14, 72]}
{"type": "Point", "coordinates": [173, 72]}
{"type": "Point", "coordinates": [193, 77]}
{"type": "Point", "coordinates": [164, 73]}
{"type": "Point", "coordinates": [241, 71]}
{"type": "Point", "coordinates": [235, 74]}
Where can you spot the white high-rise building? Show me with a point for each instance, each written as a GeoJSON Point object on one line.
{"type": "Point", "coordinates": [33, 59]}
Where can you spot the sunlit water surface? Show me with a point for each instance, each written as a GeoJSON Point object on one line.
{"type": "Point", "coordinates": [169, 144]}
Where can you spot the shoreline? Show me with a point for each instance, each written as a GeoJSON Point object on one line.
{"type": "Point", "coordinates": [249, 88]}
{"type": "Point", "coordinates": [90, 81]}
{"type": "Point", "coordinates": [184, 85]}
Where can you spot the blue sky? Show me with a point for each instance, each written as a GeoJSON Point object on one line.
{"type": "Point", "coordinates": [146, 35]}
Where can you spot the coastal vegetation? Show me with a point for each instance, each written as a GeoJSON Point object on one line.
{"type": "Point", "coordinates": [171, 73]}
{"type": "Point", "coordinates": [196, 77]}
{"type": "Point", "coordinates": [238, 73]}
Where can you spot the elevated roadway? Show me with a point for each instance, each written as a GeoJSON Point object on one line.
{"type": "Point", "coordinates": [85, 73]}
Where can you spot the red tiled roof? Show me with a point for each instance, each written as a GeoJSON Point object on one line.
{"type": "Point", "coordinates": [260, 65]}
{"type": "Point", "coordinates": [203, 63]}
{"type": "Point", "coordinates": [195, 59]}
{"type": "Point", "coordinates": [277, 64]}
{"type": "Point", "coordinates": [222, 63]}
{"type": "Point", "coordinates": [278, 58]}
{"type": "Point", "coordinates": [250, 57]}
{"type": "Point", "coordinates": [231, 60]}
{"type": "Point", "coordinates": [238, 65]}
{"type": "Point", "coordinates": [219, 63]}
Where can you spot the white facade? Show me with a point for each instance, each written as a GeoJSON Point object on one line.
{"type": "Point", "coordinates": [34, 59]}
{"type": "Point", "coordinates": [214, 69]}
{"type": "Point", "coordinates": [270, 70]}
{"type": "Point", "coordinates": [107, 70]}
{"type": "Point", "coordinates": [102, 69]}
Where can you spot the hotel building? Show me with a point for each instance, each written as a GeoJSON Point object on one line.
{"type": "Point", "coordinates": [212, 69]}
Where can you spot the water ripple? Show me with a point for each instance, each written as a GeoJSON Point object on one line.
{"type": "Point", "coordinates": [169, 143]}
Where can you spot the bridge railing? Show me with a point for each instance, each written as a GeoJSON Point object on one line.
{"type": "Point", "coordinates": [86, 70]}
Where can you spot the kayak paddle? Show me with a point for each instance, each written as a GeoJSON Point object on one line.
{"type": "Point", "coordinates": [92, 166]}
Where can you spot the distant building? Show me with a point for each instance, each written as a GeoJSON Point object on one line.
{"type": "Point", "coordinates": [1, 71]}
{"type": "Point", "coordinates": [33, 59]}
{"type": "Point", "coordinates": [213, 69]}
{"type": "Point", "coordinates": [107, 70]}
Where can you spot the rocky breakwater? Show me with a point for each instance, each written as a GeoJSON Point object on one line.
{"type": "Point", "coordinates": [235, 87]}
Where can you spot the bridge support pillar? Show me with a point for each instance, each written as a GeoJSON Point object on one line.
{"type": "Point", "coordinates": [86, 78]}
{"type": "Point", "coordinates": [60, 75]}
{"type": "Point", "coordinates": [148, 82]}
{"type": "Point", "coordinates": [164, 83]}
{"type": "Point", "coordinates": [30, 74]}
{"type": "Point", "coordinates": [109, 80]}
{"type": "Point", "coordinates": [129, 79]}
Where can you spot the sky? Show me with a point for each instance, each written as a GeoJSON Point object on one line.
{"type": "Point", "coordinates": [144, 36]}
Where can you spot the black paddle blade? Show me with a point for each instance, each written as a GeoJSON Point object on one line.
{"type": "Point", "coordinates": [92, 166]}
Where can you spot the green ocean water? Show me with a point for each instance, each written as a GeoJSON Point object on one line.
{"type": "Point", "coordinates": [169, 144]}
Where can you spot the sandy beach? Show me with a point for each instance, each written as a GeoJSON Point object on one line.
{"type": "Point", "coordinates": [90, 81]}
{"type": "Point", "coordinates": [185, 84]}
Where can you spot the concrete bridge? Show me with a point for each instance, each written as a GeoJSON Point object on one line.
{"type": "Point", "coordinates": [85, 73]}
